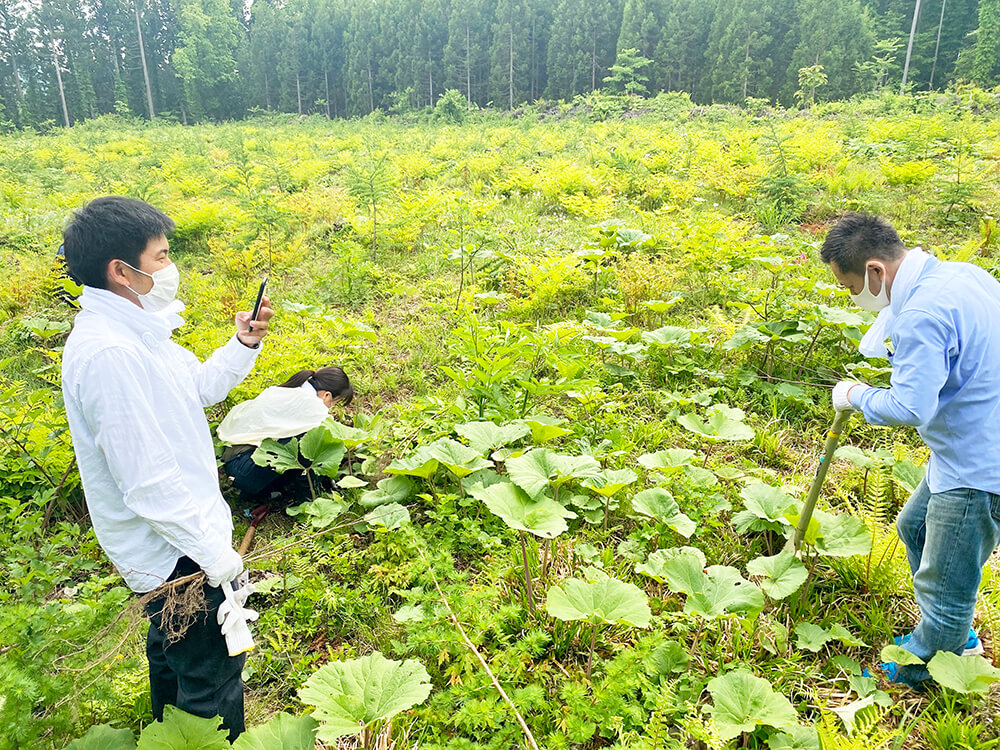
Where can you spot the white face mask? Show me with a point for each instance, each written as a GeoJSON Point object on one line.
{"type": "Point", "coordinates": [164, 289]}
{"type": "Point", "coordinates": [872, 302]}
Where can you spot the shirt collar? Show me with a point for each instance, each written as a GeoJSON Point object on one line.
{"type": "Point", "coordinates": [152, 327]}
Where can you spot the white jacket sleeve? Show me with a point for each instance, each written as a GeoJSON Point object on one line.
{"type": "Point", "coordinates": [117, 401]}
{"type": "Point", "coordinates": [221, 372]}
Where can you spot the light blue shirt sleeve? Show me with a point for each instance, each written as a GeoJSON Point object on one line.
{"type": "Point", "coordinates": [921, 365]}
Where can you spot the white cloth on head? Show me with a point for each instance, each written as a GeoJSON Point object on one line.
{"type": "Point", "coordinates": [308, 387]}
{"type": "Point", "coordinates": [276, 413]}
{"type": "Point", "coordinates": [873, 342]}
{"type": "Point", "coordinates": [135, 403]}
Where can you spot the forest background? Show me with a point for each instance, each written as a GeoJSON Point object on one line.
{"type": "Point", "coordinates": [62, 61]}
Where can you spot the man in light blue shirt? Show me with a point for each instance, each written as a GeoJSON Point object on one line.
{"type": "Point", "coordinates": [939, 324]}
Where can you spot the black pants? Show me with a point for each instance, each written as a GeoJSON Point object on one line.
{"type": "Point", "coordinates": [257, 482]}
{"type": "Point", "coordinates": [196, 673]}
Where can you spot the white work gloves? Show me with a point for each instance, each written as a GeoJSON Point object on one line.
{"type": "Point", "coordinates": [233, 617]}
{"type": "Point", "coordinates": [224, 568]}
{"type": "Point", "coordinates": [843, 389]}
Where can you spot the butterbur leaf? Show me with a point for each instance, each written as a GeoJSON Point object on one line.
{"type": "Point", "coordinates": [743, 702]}
{"type": "Point", "coordinates": [667, 658]}
{"type": "Point", "coordinates": [543, 517]}
{"type": "Point", "coordinates": [534, 470]}
{"type": "Point", "coordinates": [724, 591]}
{"type": "Point", "coordinates": [390, 516]}
{"type": "Point", "coordinates": [409, 613]}
{"type": "Point", "coordinates": [795, 738]}
{"type": "Point", "coordinates": [459, 459]}
{"type": "Point", "coordinates": [608, 482]}
{"type": "Point", "coordinates": [351, 483]}
{"type": "Point", "coordinates": [605, 601]}
{"type": "Point", "coordinates": [351, 695]}
{"type": "Point", "coordinates": [721, 422]}
{"type": "Point", "coordinates": [811, 637]}
{"type": "Point", "coordinates": [103, 737]}
{"type": "Point", "coordinates": [667, 337]}
{"type": "Point", "coordinates": [843, 635]}
{"type": "Point", "coordinates": [766, 502]}
{"type": "Point", "coordinates": [180, 730]}
{"type": "Point", "coordinates": [963, 674]}
{"type": "Point", "coordinates": [898, 655]}
{"type": "Point", "coordinates": [783, 574]}
{"type": "Point", "coordinates": [419, 464]}
{"type": "Point", "coordinates": [351, 437]}
{"type": "Point", "coordinates": [325, 454]}
{"type": "Point", "coordinates": [321, 512]}
{"type": "Point", "coordinates": [681, 568]}
{"type": "Point", "coordinates": [281, 457]}
{"type": "Point", "coordinates": [856, 456]}
{"type": "Point", "coordinates": [659, 504]}
{"type": "Point", "coordinates": [700, 477]}
{"type": "Point", "coordinates": [485, 437]}
{"type": "Point", "coordinates": [389, 490]}
{"type": "Point", "coordinates": [908, 474]}
{"type": "Point", "coordinates": [842, 535]}
{"type": "Point", "coordinates": [668, 461]}
{"type": "Point", "coordinates": [544, 429]}
{"type": "Point", "coordinates": [283, 732]}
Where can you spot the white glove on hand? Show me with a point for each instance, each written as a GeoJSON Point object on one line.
{"type": "Point", "coordinates": [841, 391]}
{"type": "Point", "coordinates": [224, 568]}
{"type": "Point", "coordinates": [233, 618]}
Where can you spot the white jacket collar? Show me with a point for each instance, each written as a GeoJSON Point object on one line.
{"type": "Point", "coordinates": [873, 342]}
{"type": "Point", "coordinates": [152, 327]}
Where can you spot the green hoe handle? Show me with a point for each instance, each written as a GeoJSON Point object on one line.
{"type": "Point", "coordinates": [832, 437]}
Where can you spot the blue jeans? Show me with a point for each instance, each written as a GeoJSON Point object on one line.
{"type": "Point", "coordinates": [948, 537]}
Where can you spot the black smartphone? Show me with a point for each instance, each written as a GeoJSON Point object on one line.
{"type": "Point", "coordinates": [260, 300]}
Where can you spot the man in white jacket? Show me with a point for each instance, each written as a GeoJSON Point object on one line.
{"type": "Point", "coordinates": [135, 402]}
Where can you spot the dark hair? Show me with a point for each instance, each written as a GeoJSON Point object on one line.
{"type": "Point", "coordinates": [856, 239]}
{"type": "Point", "coordinates": [108, 228]}
{"type": "Point", "coordinates": [331, 379]}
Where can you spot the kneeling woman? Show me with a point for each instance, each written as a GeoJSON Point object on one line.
{"type": "Point", "coordinates": [280, 412]}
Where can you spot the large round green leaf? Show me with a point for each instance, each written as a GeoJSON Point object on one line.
{"type": "Point", "coordinates": [667, 461]}
{"type": "Point", "coordinates": [418, 464]}
{"type": "Point", "coordinates": [460, 460]}
{"type": "Point", "coordinates": [724, 591]}
{"type": "Point", "coordinates": [485, 437]}
{"type": "Point", "coordinates": [782, 574]}
{"type": "Point", "coordinates": [542, 516]}
{"type": "Point", "coordinates": [608, 600]}
{"type": "Point", "coordinates": [103, 737]}
{"type": "Point", "coordinates": [351, 695]}
{"type": "Point", "coordinates": [767, 502]}
{"type": "Point", "coordinates": [281, 457]}
{"type": "Point", "coordinates": [681, 568]}
{"type": "Point", "coordinates": [658, 504]}
{"type": "Point", "coordinates": [351, 437]}
{"type": "Point", "coordinates": [606, 483]}
{"type": "Point", "coordinates": [721, 422]}
{"type": "Point", "coordinates": [323, 451]}
{"type": "Point", "coordinates": [534, 470]}
{"type": "Point", "coordinates": [842, 535]}
{"type": "Point", "coordinates": [180, 730]}
{"type": "Point", "coordinates": [963, 674]}
{"type": "Point", "coordinates": [743, 702]}
{"type": "Point", "coordinates": [283, 732]}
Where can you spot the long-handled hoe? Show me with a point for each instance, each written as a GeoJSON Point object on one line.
{"type": "Point", "coordinates": [832, 437]}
